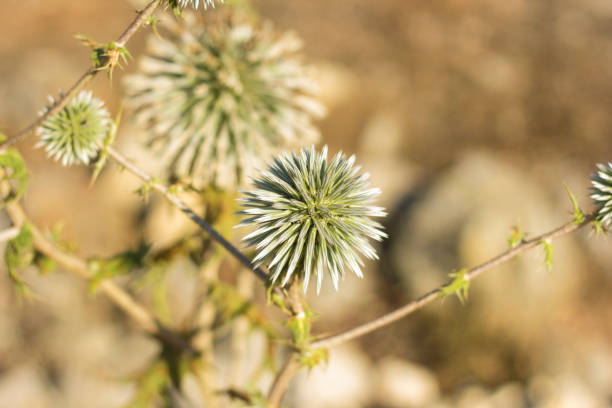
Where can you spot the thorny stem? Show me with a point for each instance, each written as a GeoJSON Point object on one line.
{"type": "Point", "coordinates": [116, 294]}
{"type": "Point", "coordinates": [63, 100]}
{"type": "Point", "coordinates": [180, 204]}
{"type": "Point", "coordinates": [430, 296]}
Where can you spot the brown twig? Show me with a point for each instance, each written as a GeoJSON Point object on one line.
{"type": "Point", "coordinates": [63, 100]}
{"type": "Point", "coordinates": [283, 379]}
{"type": "Point", "coordinates": [116, 294]}
{"type": "Point", "coordinates": [436, 293]}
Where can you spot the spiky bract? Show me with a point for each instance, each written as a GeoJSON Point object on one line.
{"type": "Point", "coordinates": [220, 99]}
{"type": "Point", "coordinates": [602, 194]}
{"type": "Point", "coordinates": [196, 3]}
{"type": "Point", "coordinates": [312, 214]}
{"type": "Point", "coordinates": [76, 133]}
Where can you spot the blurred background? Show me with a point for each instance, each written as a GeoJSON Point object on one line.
{"type": "Point", "coordinates": [470, 115]}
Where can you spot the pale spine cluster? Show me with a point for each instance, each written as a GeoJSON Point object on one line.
{"type": "Point", "coordinates": [76, 133]}
{"type": "Point", "coordinates": [311, 214]}
{"type": "Point", "coordinates": [196, 3]}
{"type": "Point", "coordinates": [602, 194]}
{"type": "Point", "coordinates": [217, 100]}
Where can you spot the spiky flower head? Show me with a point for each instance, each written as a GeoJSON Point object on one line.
{"type": "Point", "coordinates": [602, 194]}
{"type": "Point", "coordinates": [196, 3]}
{"type": "Point", "coordinates": [312, 214]}
{"type": "Point", "coordinates": [219, 99]}
{"type": "Point", "coordinates": [76, 133]}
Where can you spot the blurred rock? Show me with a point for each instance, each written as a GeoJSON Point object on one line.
{"type": "Point", "coordinates": [464, 217]}
{"type": "Point", "coordinates": [24, 387]}
{"type": "Point", "coordinates": [403, 384]}
{"type": "Point", "coordinates": [346, 382]}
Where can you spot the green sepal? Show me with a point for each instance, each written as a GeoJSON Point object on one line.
{"type": "Point", "coordinates": [19, 254]}
{"type": "Point", "coordinates": [459, 286]}
{"type": "Point", "coordinates": [15, 172]}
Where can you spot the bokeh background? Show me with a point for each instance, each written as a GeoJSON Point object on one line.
{"type": "Point", "coordinates": [471, 115]}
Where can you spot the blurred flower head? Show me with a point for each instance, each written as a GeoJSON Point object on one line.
{"type": "Point", "coordinates": [602, 194]}
{"type": "Point", "coordinates": [217, 100]}
{"type": "Point", "coordinates": [76, 133]}
{"type": "Point", "coordinates": [312, 214]}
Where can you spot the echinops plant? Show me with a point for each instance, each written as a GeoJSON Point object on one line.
{"type": "Point", "coordinates": [312, 215]}
{"type": "Point", "coordinates": [218, 99]}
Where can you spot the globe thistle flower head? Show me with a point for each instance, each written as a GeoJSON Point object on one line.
{"type": "Point", "coordinates": [311, 214]}
{"type": "Point", "coordinates": [602, 194]}
{"type": "Point", "coordinates": [196, 3]}
{"type": "Point", "coordinates": [76, 133]}
{"type": "Point", "coordinates": [218, 100]}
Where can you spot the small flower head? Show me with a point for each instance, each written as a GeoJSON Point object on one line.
{"type": "Point", "coordinates": [312, 214]}
{"type": "Point", "coordinates": [602, 194]}
{"type": "Point", "coordinates": [219, 99]}
{"type": "Point", "coordinates": [196, 3]}
{"type": "Point", "coordinates": [76, 133]}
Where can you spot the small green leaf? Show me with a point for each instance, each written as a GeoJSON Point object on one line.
{"type": "Point", "coordinates": [118, 265]}
{"type": "Point", "coordinates": [15, 172]}
{"type": "Point", "coordinates": [313, 357]}
{"type": "Point", "coordinates": [459, 286]}
{"type": "Point", "coordinates": [578, 215]}
{"type": "Point", "coordinates": [45, 264]}
{"type": "Point", "coordinates": [145, 190]}
{"type": "Point", "coordinates": [19, 254]}
{"type": "Point", "coordinates": [548, 254]}
{"type": "Point", "coordinates": [516, 237]}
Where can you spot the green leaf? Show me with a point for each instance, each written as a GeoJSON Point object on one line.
{"type": "Point", "coordinates": [15, 172]}
{"type": "Point", "coordinates": [516, 237]}
{"type": "Point", "coordinates": [313, 357]}
{"type": "Point", "coordinates": [548, 254]}
{"type": "Point", "coordinates": [459, 286]}
{"type": "Point", "coordinates": [300, 327]}
{"type": "Point", "coordinates": [121, 264]}
{"type": "Point", "coordinates": [19, 254]}
{"type": "Point", "coordinates": [578, 215]}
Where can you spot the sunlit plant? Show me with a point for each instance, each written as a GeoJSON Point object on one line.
{"type": "Point", "coordinates": [602, 194]}
{"type": "Point", "coordinates": [312, 215]}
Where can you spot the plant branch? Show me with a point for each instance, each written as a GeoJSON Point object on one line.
{"type": "Point", "coordinates": [63, 100]}
{"type": "Point", "coordinates": [436, 293]}
{"type": "Point", "coordinates": [283, 379]}
{"type": "Point", "coordinates": [180, 204]}
{"type": "Point", "coordinates": [116, 294]}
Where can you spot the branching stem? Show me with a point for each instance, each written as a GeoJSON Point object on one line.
{"type": "Point", "coordinates": [430, 296]}
{"type": "Point", "coordinates": [123, 300]}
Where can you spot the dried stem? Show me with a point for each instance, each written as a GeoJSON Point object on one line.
{"type": "Point", "coordinates": [61, 103]}
{"type": "Point", "coordinates": [283, 379]}
{"type": "Point", "coordinates": [116, 294]}
{"type": "Point", "coordinates": [429, 297]}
